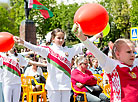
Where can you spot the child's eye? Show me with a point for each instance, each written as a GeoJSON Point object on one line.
{"type": "Point", "coordinates": [128, 51]}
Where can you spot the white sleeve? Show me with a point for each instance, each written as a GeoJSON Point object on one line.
{"type": "Point", "coordinates": [40, 70]}
{"type": "Point", "coordinates": [77, 48]}
{"type": "Point", "coordinates": [40, 50]}
{"type": "Point", "coordinates": [26, 73]}
{"type": "Point", "coordinates": [106, 63]}
{"type": "Point", "coordinates": [22, 60]}
{"type": "Point", "coordinates": [1, 62]}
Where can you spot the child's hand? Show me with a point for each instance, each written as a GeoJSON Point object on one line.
{"type": "Point", "coordinates": [78, 32]}
{"type": "Point", "coordinates": [99, 35]}
{"type": "Point", "coordinates": [18, 40]}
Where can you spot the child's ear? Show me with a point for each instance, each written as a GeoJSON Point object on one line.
{"type": "Point", "coordinates": [117, 54]}
{"type": "Point", "coordinates": [52, 39]}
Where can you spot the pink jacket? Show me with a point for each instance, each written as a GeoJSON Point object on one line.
{"type": "Point", "coordinates": [87, 79]}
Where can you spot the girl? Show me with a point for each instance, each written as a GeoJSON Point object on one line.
{"type": "Point", "coordinates": [1, 92]}
{"type": "Point", "coordinates": [58, 64]}
{"type": "Point", "coordinates": [11, 83]}
{"type": "Point", "coordinates": [122, 70]}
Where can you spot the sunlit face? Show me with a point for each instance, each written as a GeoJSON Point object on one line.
{"type": "Point", "coordinates": [84, 65]}
{"type": "Point", "coordinates": [95, 63]}
{"type": "Point", "coordinates": [126, 54]}
{"type": "Point", "coordinates": [59, 38]}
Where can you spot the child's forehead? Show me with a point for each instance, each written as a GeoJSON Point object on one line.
{"type": "Point", "coordinates": [127, 45]}
{"type": "Point", "coordinates": [60, 33]}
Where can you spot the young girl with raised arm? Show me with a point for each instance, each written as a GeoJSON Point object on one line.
{"type": "Point", "coordinates": [11, 77]}
{"type": "Point", "coordinates": [58, 58]}
{"type": "Point", "coordinates": [122, 70]}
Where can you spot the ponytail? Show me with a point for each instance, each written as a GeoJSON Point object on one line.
{"type": "Point", "coordinates": [15, 53]}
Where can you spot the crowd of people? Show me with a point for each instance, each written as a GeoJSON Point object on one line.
{"type": "Point", "coordinates": [70, 65]}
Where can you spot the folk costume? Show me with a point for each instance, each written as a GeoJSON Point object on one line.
{"type": "Point", "coordinates": [59, 68]}
{"type": "Point", "coordinates": [11, 82]}
{"type": "Point", "coordinates": [122, 78]}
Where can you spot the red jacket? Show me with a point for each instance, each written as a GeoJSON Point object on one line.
{"type": "Point", "coordinates": [87, 79]}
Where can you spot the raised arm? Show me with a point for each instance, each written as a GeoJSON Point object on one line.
{"type": "Point", "coordinates": [40, 50]}
{"type": "Point", "coordinates": [106, 63]}
{"type": "Point", "coordinates": [78, 47]}
{"type": "Point", "coordinates": [37, 63]}
{"type": "Point", "coordinates": [1, 62]}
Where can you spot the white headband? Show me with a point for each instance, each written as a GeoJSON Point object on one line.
{"type": "Point", "coordinates": [48, 36]}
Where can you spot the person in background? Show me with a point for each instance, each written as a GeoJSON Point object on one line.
{"type": "Point", "coordinates": [1, 74]}
{"type": "Point", "coordinates": [10, 63]}
{"type": "Point", "coordinates": [82, 78]}
{"type": "Point", "coordinates": [35, 71]}
{"type": "Point", "coordinates": [95, 69]}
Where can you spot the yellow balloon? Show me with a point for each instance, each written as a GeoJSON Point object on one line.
{"type": "Point", "coordinates": [106, 30]}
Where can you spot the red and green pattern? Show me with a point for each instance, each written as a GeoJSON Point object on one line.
{"type": "Point", "coordinates": [11, 68]}
{"type": "Point", "coordinates": [44, 11]}
{"type": "Point", "coordinates": [58, 63]}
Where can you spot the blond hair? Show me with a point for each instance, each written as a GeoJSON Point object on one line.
{"type": "Point", "coordinates": [117, 45]}
{"type": "Point", "coordinates": [80, 59]}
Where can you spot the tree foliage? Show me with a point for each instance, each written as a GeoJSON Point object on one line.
{"type": "Point", "coordinates": [122, 15]}
{"type": "Point", "coordinates": [7, 20]}
{"type": "Point", "coordinates": [119, 19]}
{"type": "Point", "coordinates": [134, 13]}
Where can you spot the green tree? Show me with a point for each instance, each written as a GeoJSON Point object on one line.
{"type": "Point", "coordinates": [62, 15]}
{"type": "Point", "coordinates": [134, 13]}
{"type": "Point", "coordinates": [120, 11]}
{"type": "Point", "coordinates": [119, 19]}
{"type": "Point", "coordinates": [6, 21]}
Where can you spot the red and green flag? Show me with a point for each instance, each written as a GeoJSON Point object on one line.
{"type": "Point", "coordinates": [37, 5]}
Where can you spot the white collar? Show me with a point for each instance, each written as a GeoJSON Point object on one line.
{"type": "Point", "coordinates": [57, 46]}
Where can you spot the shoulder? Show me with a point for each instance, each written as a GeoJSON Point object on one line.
{"type": "Point", "coordinates": [20, 55]}
{"type": "Point", "coordinates": [88, 71]}
{"type": "Point", "coordinates": [39, 68]}
{"type": "Point", "coordinates": [92, 68]}
{"type": "Point", "coordinates": [28, 68]}
{"type": "Point", "coordinates": [75, 71]}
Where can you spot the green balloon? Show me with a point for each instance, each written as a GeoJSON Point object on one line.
{"type": "Point", "coordinates": [106, 30]}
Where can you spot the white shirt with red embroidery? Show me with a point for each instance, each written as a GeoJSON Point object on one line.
{"type": "Point", "coordinates": [11, 68]}
{"type": "Point", "coordinates": [1, 69]}
{"type": "Point", "coordinates": [58, 63]}
{"type": "Point", "coordinates": [122, 78]}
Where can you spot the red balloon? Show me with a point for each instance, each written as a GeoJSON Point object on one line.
{"type": "Point", "coordinates": [6, 41]}
{"type": "Point", "coordinates": [92, 18]}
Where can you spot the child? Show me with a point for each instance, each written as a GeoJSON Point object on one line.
{"type": "Point", "coordinates": [58, 64]}
{"type": "Point", "coordinates": [1, 74]}
{"type": "Point", "coordinates": [11, 82]}
{"type": "Point", "coordinates": [122, 70]}
{"type": "Point", "coordinates": [95, 69]}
